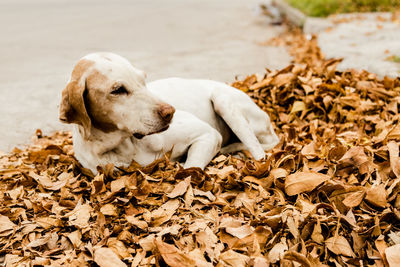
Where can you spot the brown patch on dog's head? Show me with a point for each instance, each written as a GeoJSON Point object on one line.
{"type": "Point", "coordinates": [96, 102]}
{"type": "Point", "coordinates": [72, 107]}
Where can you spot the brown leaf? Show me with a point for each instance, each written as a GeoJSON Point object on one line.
{"type": "Point", "coordinates": [105, 257]}
{"type": "Point", "coordinates": [136, 222]}
{"type": "Point", "coordinates": [300, 182]}
{"type": "Point", "coordinates": [234, 259]}
{"type": "Point", "coordinates": [118, 184]}
{"type": "Point", "coordinates": [165, 212]}
{"type": "Point", "coordinates": [277, 252]}
{"type": "Point", "coordinates": [393, 255]}
{"type": "Point", "coordinates": [109, 209]}
{"type": "Point", "coordinates": [180, 188]}
{"type": "Point", "coordinates": [172, 256]}
{"type": "Point", "coordinates": [240, 232]}
{"type": "Point", "coordinates": [376, 195]}
{"type": "Point", "coordinates": [354, 199]}
{"type": "Point", "coordinates": [393, 148]}
{"type": "Point", "coordinates": [47, 183]}
{"type": "Point", "coordinates": [295, 256]}
{"type": "Point", "coordinates": [39, 241]}
{"type": "Point", "coordinates": [6, 225]}
{"type": "Point", "coordinates": [75, 238]}
{"type": "Point", "coordinates": [340, 246]}
{"type": "Point", "coordinates": [80, 215]}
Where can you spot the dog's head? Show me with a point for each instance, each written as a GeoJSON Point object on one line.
{"type": "Point", "coordinates": [107, 93]}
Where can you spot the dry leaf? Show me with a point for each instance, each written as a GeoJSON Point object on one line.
{"type": "Point", "coordinates": [300, 182]}
{"type": "Point", "coordinates": [136, 222]}
{"type": "Point", "coordinates": [233, 258]}
{"type": "Point", "coordinates": [340, 246]}
{"type": "Point", "coordinates": [105, 257]}
{"type": "Point", "coordinates": [165, 212]}
{"type": "Point", "coordinates": [354, 199]}
{"type": "Point", "coordinates": [377, 195]}
{"type": "Point", "coordinates": [5, 225]}
{"type": "Point", "coordinates": [80, 215]}
{"type": "Point", "coordinates": [180, 188]}
{"type": "Point", "coordinates": [240, 232]}
{"type": "Point", "coordinates": [393, 148]}
{"type": "Point", "coordinates": [393, 255]}
{"type": "Point", "coordinates": [109, 209]}
{"type": "Point", "coordinates": [172, 256]}
{"type": "Point", "coordinates": [277, 252]}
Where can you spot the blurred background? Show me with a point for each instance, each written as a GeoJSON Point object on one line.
{"type": "Point", "coordinates": [43, 39]}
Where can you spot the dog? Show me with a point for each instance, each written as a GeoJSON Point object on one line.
{"type": "Point", "coordinates": [118, 118]}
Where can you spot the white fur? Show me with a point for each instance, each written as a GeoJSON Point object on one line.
{"type": "Point", "coordinates": [207, 112]}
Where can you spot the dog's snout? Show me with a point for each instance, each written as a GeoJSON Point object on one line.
{"type": "Point", "coordinates": [166, 112]}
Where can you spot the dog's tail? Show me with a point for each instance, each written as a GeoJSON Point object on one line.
{"type": "Point", "coordinates": [235, 147]}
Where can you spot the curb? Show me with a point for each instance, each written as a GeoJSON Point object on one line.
{"type": "Point", "coordinates": [294, 15]}
{"type": "Point", "coordinates": [310, 25]}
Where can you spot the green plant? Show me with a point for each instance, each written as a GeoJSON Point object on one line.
{"type": "Point", "coordinates": [322, 8]}
{"type": "Point", "coordinates": [394, 58]}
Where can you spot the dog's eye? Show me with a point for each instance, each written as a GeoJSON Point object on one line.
{"type": "Point", "coordinates": [120, 90]}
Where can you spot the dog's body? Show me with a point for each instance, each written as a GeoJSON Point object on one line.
{"type": "Point", "coordinates": [118, 120]}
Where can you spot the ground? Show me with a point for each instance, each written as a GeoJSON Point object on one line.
{"type": "Point", "coordinates": [207, 39]}
{"type": "Point", "coordinates": [365, 41]}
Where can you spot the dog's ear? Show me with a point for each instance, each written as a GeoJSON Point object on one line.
{"type": "Point", "coordinates": [73, 108]}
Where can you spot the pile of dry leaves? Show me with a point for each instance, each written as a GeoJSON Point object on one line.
{"type": "Point", "coordinates": [327, 195]}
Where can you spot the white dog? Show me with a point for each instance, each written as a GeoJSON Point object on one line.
{"type": "Point", "coordinates": [117, 119]}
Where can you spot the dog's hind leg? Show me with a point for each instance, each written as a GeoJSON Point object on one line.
{"type": "Point", "coordinates": [226, 109]}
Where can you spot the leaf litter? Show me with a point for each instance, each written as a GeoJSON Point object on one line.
{"type": "Point", "coordinates": [327, 195]}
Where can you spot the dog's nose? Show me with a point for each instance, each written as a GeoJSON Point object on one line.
{"type": "Point", "coordinates": [166, 112]}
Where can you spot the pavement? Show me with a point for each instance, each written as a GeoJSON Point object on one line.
{"type": "Point", "coordinates": [365, 41]}
{"type": "Point", "coordinates": [42, 39]}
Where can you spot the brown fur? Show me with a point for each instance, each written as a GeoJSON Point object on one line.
{"type": "Point", "coordinates": [72, 107]}
{"type": "Point", "coordinates": [80, 68]}
{"type": "Point", "coordinates": [96, 103]}
{"type": "Point", "coordinates": [81, 102]}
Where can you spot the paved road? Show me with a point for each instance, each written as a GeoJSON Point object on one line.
{"type": "Point", "coordinates": [364, 41]}
{"type": "Point", "coordinates": [42, 39]}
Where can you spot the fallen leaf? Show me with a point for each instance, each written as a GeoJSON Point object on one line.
{"type": "Point", "coordinates": [180, 188]}
{"type": "Point", "coordinates": [300, 182]}
{"type": "Point", "coordinates": [172, 256]}
{"type": "Point", "coordinates": [109, 209]}
{"type": "Point", "coordinates": [5, 225]}
{"type": "Point", "coordinates": [393, 255]}
{"type": "Point", "coordinates": [377, 195]}
{"type": "Point", "coordinates": [105, 257]}
{"type": "Point", "coordinates": [277, 252]}
{"type": "Point", "coordinates": [165, 212]}
{"type": "Point", "coordinates": [233, 258]}
{"type": "Point", "coordinates": [240, 232]}
{"type": "Point", "coordinates": [136, 222]}
{"type": "Point", "coordinates": [80, 215]}
{"type": "Point", "coordinates": [354, 199]}
{"type": "Point", "coordinates": [340, 246]}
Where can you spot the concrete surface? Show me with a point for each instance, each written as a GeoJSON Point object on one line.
{"type": "Point", "coordinates": [42, 39]}
{"type": "Point", "coordinates": [365, 41]}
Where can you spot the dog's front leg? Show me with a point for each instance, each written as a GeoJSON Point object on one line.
{"type": "Point", "coordinates": [203, 149]}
